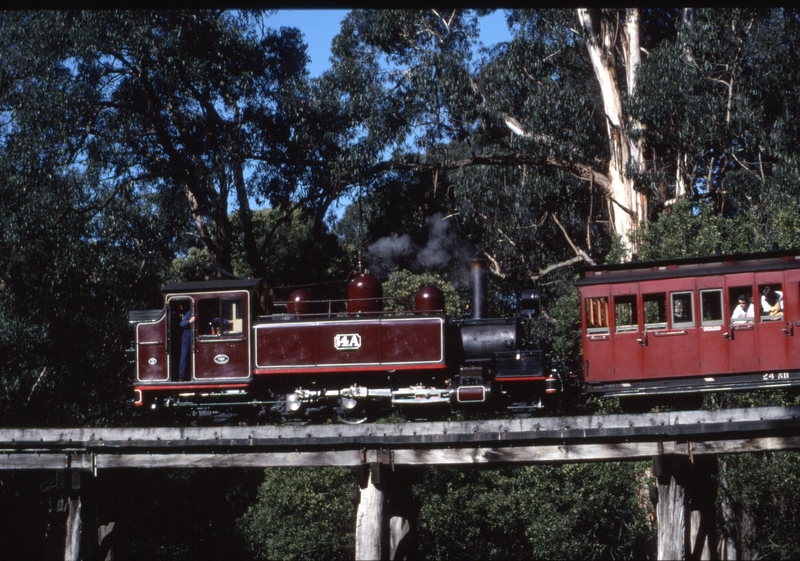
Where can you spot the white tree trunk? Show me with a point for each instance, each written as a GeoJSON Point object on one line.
{"type": "Point", "coordinates": [627, 208]}
{"type": "Point", "coordinates": [681, 189]}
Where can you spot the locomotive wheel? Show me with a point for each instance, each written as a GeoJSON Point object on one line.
{"type": "Point", "coordinates": [352, 417]}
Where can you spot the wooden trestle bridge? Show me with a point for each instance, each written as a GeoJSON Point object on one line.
{"type": "Point", "coordinates": [677, 442]}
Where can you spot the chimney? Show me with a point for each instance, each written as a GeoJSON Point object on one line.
{"type": "Point", "coordinates": [478, 279]}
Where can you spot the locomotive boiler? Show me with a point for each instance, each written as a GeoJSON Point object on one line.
{"type": "Point", "coordinates": [303, 357]}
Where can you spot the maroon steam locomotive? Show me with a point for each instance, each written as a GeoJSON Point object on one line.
{"type": "Point", "coordinates": [661, 328]}
{"type": "Point", "coordinates": [350, 357]}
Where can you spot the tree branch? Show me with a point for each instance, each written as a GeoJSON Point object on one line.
{"type": "Point", "coordinates": [550, 268]}
{"type": "Point", "coordinates": [578, 251]}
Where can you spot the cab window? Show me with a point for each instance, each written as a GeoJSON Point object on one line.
{"type": "Point", "coordinates": [232, 315]}
{"type": "Point", "coordinates": [220, 316]}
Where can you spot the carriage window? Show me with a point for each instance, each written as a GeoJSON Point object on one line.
{"type": "Point", "coordinates": [625, 313]}
{"type": "Point", "coordinates": [596, 315]}
{"type": "Point", "coordinates": [741, 313]}
{"type": "Point", "coordinates": [711, 307]}
{"type": "Point", "coordinates": [655, 311]}
{"type": "Point", "coordinates": [771, 296]}
{"type": "Point", "coordinates": [682, 306]}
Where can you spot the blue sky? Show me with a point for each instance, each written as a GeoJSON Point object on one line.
{"type": "Point", "coordinates": [320, 26]}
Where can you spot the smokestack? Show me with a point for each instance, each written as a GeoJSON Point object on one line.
{"type": "Point", "coordinates": [478, 279]}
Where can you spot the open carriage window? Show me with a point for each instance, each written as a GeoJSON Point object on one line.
{"type": "Point", "coordinates": [771, 296]}
{"type": "Point", "coordinates": [625, 313]}
{"type": "Point", "coordinates": [596, 315]}
{"type": "Point", "coordinates": [741, 303]}
{"type": "Point", "coordinates": [655, 311]}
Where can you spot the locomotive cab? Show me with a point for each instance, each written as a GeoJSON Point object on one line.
{"type": "Point", "coordinates": [199, 345]}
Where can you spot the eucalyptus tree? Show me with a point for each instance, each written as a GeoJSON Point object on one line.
{"type": "Point", "coordinates": [126, 137]}
{"type": "Point", "coordinates": [520, 139]}
{"type": "Point", "coordinates": [719, 114]}
{"type": "Point", "coordinates": [75, 248]}
{"type": "Point", "coordinates": [196, 103]}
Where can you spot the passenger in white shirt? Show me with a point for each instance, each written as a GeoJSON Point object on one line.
{"type": "Point", "coordinates": [744, 310]}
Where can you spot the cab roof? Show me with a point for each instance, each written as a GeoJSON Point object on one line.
{"type": "Point", "coordinates": [212, 285]}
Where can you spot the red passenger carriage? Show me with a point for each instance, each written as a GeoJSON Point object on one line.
{"type": "Point", "coordinates": [667, 327]}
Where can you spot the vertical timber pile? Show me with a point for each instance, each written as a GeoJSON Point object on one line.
{"type": "Point", "coordinates": [72, 543]}
{"type": "Point", "coordinates": [74, 547]}
{"type": "Point", "coordinates": [386, 509]}
{"type": "Point", "coordinates": [369, 518]}
{"type": "Point", "coordinates": [84, 538]}
{"type": "Point", "coordinates": [685, 508]}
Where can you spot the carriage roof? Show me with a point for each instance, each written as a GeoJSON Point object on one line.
{"type": "Point", "coordinates": [635, 271]}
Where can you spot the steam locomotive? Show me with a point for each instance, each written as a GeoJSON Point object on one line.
{"type": "Point", "coordinates": [300, 357]}
{"type": "Point", "coordinates": [657, 328]}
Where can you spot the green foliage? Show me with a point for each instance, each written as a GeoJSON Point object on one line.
{"type": "Point", "coordinates": [765, 488]}
{"type": "Point", "coordinates": [715, 103]}
{"type": "Point", "coordinates": [402, 286]}
{"type": "Point", "coordinates": [566, 332]}
{"type": "Point", "coordinates": [689, 231]}
{"type": "Point", "coordinates": [575, 511]}
{"type": "Point", "coordinates": [301, 513]}
{"type": "Point", "coordinates": [294, 251]}
{"type": "Point", "coordinates": [601, 508]}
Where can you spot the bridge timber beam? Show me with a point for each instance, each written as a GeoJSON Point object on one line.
{"type": "Point", "coordinates": [534, 440]}
{"type": "Point", "coordinates": [553, 454]}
